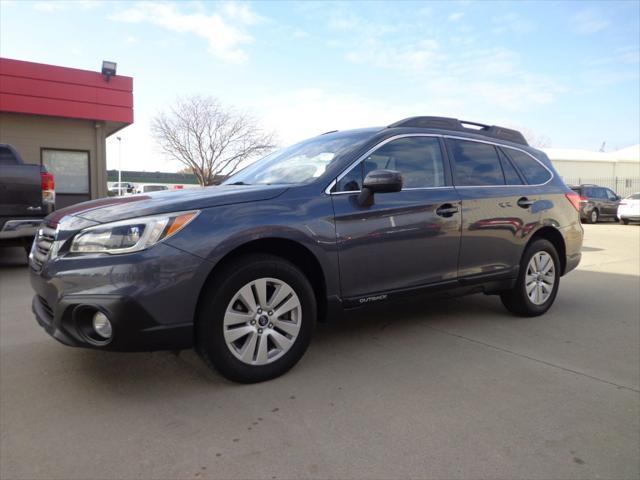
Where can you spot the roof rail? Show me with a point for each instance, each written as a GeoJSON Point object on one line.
{"type": "Point", "coordinates": [445, 123]}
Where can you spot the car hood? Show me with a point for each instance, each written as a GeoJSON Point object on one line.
{"type": "Point", "coordinates": [120, 208]}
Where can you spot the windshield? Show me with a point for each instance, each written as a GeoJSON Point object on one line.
{"type": "Point", "coordinates": [300, 163]}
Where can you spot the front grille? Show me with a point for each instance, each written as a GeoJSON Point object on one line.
{"type": "Point", "coordinates": [43, 243]}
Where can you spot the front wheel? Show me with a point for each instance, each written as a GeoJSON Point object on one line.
{"type": "Point", "coordinates": [256, 318]}
{"type": "Point", "coordinates": [538, 281]}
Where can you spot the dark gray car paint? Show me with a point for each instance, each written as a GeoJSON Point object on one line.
{"type": "Point", "coordinates": [402, 245]}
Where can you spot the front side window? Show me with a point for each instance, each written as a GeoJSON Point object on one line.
{"type": "Point", "coordinates": [533, 171]}
{"type": "Point", "coordinates": [475, 163]}
{"type": "Point", "coordinates": [612, 196]}
{"type": "Point", "coordinates": [70, 168]}
{"type": "Point", "coordinates": [418, 159]}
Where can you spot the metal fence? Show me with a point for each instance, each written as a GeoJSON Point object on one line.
{"type": "Point", "coordinates": [623, 186]}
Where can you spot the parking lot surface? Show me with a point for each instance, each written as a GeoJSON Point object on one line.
{"type": "Point", "coordinates": [435, 389]}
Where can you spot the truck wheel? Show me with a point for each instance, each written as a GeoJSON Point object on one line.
{"type": "Point", "coordinates": [538, 281]}
{"type": "Point", "coordinates": [256, 318]}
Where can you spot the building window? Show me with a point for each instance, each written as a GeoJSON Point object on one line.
{"type": "Point", "coordinates": [70, 168]}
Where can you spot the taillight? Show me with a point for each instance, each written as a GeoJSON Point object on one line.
{"type": "Point", "coordinates": [574, 199]}
{"type": "Point", "coordinates": [584, 199]}
{"type": "Point", "coordinates": [622, 203]}
{"type": "Point", "coordinates": [48, 185]}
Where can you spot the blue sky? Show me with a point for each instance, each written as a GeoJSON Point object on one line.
{"type": "Point", "coordinates": [567, 72]}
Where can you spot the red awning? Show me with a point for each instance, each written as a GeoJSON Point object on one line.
{"type": "Point", "coordinates": [39, 89]}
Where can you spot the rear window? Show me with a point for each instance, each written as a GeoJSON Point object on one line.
{"type": "Point", "coordinates": [475, 163]}
{"type": "Point", "coordinates": [510, 175]}
{"type": "Point", "coordinates": [532, 170]}
{"type": "Point", "coordinates": [7, 157]}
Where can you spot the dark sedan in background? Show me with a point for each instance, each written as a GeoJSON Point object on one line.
{"type": "Point", "coordinates": [596, 202]}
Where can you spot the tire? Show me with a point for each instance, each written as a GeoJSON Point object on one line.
{"type": "Point", "coordinates": [593, 216]}
{"type": "Point", "coordinates": [225, 312]}
{"type": "Point", "coordinates": [517, 300]}
{"type": "Point", "coordinates": [624, 221]}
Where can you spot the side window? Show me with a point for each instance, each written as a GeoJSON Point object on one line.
{"type": "Point", "coordinates": [532, 170]}
{"type": "Point", "coordinates": [612, 196]}
{"type": "Point", "coordinates": [352, 181]}
{"type": "Point", "coordinates": [510, 174]}
{"type": "Point", "coordinates": [475, 163]}
{"type": "Point", "coordinates": [419, 159]}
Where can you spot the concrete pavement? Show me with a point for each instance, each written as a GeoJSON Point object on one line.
{"type": "Point", "coordinates": [438, 389]}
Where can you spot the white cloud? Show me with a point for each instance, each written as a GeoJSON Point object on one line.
{"type": "Point", "coordinates": [511, 23]}
{"type": "Point", "coordinates": [222, 30]}
{"type": "Point", "coordinates": [242, 13]}
{"type": "Point", "coordinates": [455, 16]}
{"type": "Point", "coordinates": [589, 21]}
{"type": "Point", "coordinates": [49, 7]}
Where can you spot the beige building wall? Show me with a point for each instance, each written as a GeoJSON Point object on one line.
{"type": "Point", "coordinates": [589, 169]}
{"type": "Point", "coordinates": [30, 133]}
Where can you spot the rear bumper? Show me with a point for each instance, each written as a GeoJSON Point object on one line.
{"type": "Point", "coordinates": [19, 228]}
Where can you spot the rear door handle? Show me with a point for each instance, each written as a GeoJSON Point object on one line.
{"type": "Point", "coordinates": [524, 202]}
{"type": "Point", "coordinates": [447, 210]}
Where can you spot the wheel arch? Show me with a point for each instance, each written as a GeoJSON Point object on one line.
{"type": "Point", "coordinates": [286, 248]}
{"type": "Point", "coordinates": [554, 236]}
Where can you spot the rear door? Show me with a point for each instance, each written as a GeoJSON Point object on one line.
{"type": "Point", "coordinates": [406, 239]}
{"type": "Point", "coordinates": [498, 209]}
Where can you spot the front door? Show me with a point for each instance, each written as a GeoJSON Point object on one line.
{"type": "Point", "coordinates": [406, 239]}
{"type": "Point", "coordinates": [611, 202]}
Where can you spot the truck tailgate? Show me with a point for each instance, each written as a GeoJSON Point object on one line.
{"type": "Point", "coordinates": [20, 190]}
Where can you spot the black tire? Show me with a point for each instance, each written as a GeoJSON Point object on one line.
{"type": "Point", "coordinates": [210, 342]}
{"type": "Point", "coordinates": [594, 216]}
{"type": "Point", "coordinates": [516, 300]}
{"type": "Point", "coordinates": [624, 221]}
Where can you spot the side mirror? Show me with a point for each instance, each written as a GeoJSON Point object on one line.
{"type": "Point", "coordinates": [379, 181]}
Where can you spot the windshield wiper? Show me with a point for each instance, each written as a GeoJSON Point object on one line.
{"type": "Point", "coordinates": [239, 183]}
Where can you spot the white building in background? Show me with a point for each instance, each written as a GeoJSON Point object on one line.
{"type": "Point", "coordinates": [618, 170]}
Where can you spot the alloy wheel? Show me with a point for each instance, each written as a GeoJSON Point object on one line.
{"type": "Point", "coordinates": [540, 278]}
{"type": "Point", "coordinates": [262, 321]}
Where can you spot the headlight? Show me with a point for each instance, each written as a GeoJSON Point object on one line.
{"type": "Point", "coordinates": [130, 235]}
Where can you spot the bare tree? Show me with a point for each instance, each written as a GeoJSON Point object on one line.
{"type": "Point", "coordinates": [207, 138]}
{"type": "Point", "coordinates": [534, 139]}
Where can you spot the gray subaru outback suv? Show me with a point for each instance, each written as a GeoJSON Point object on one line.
{"type": "Point", "coordinates": [342, 221]}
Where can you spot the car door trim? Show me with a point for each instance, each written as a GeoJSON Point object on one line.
{"type": "Point", "coordinates": [353, 164]}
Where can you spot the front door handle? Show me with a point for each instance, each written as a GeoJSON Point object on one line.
{"type": "Point", "coordinates": [447, 210]}
{"type": "Point", "coordinates": [524, 202]}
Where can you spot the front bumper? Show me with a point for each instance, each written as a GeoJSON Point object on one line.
{"type": "Point", "coordinates": [150, 298]}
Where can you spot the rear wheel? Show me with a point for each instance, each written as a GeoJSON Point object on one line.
{"type": "Point", "coordinates": [624, 221]}
{"type": "Point", "coordinates": [593, 216]}
{"type": "Point", "coordinates": [256, 319]}
{"type": "Point", "coordinates": [538, 281]}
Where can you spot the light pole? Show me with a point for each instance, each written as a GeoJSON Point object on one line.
{"type": "Point", "coordinates": [119, 166]}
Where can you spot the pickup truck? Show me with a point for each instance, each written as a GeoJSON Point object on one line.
{"type": "Point", "coordinates": [27, 195]}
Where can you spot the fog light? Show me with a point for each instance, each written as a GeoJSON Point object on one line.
{"type": "Point", "coordinates": [102, 325]}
